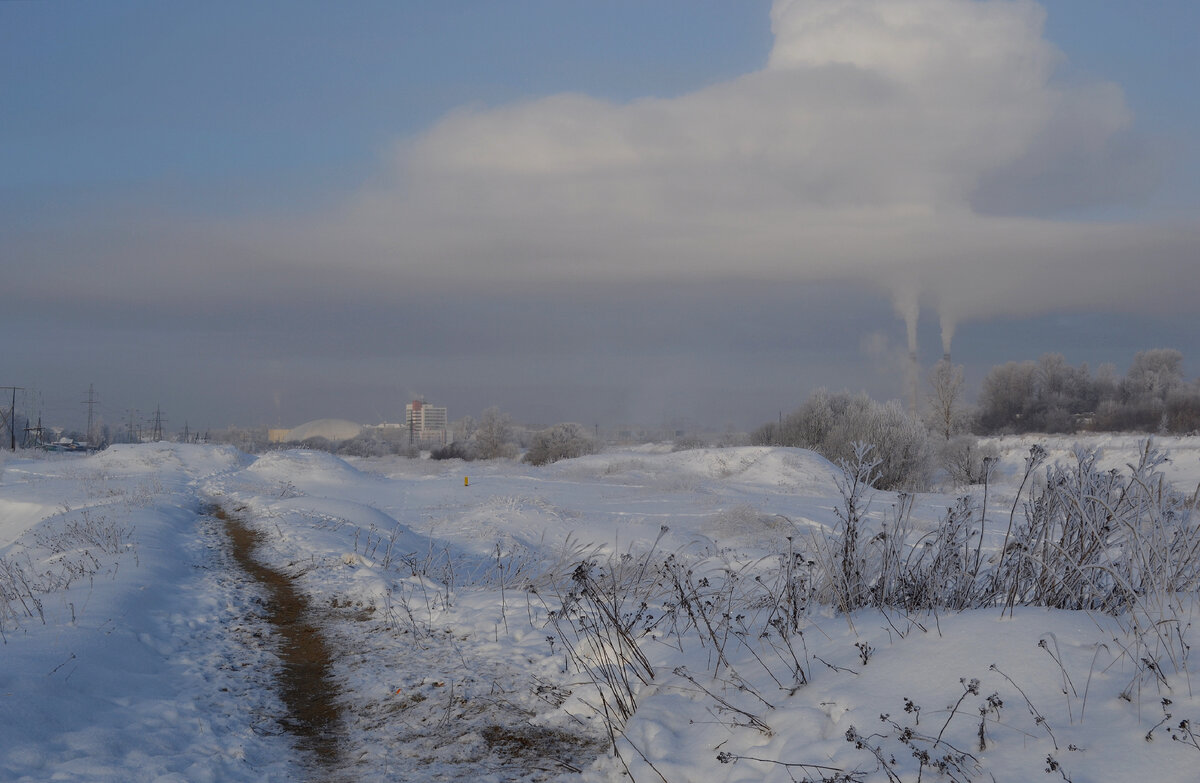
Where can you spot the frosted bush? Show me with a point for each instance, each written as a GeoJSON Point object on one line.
{"type": "Point", "coordinates": [965, 461]}
{"type": "Point", "coordinates": [831, 425]}
{"type": "Point", "coordinates": [562, 441]}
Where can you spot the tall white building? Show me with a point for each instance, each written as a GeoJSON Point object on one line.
{"type": "Point", "coordinates": [426, 423]}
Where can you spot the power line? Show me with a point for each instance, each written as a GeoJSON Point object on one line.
{"type": "Point", "coordinates": [91, 403]}
{"type": "Point", "coordinates": [10, 419]}
{"type": "Point", "coordinates": [158, 425]}
{"type": "Point", "coordinates": [34, 436]}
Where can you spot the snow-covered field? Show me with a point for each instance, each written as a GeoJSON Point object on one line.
{"type": "Point", "coordinates": [135, 648]}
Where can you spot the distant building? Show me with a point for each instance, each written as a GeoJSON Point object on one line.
{"type": "Point", "coordinates": [426, 423]}
{"type": "Point", "coordinates": [332, 430]}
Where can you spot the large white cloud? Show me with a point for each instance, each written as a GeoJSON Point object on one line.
{"type": "Point", "coordinates": [916, 144]}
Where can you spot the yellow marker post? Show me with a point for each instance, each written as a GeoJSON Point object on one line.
{"type": "Point", "coordinates": [466, 481]}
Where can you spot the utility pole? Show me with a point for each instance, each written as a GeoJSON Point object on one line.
{"type": "Point", "coordinates": [91, 403]}
{"type": "Point", "coordinates": [10, 420]}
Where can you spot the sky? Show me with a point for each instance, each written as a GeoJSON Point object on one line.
{"type": "Point", "coordinates": [617, 213]}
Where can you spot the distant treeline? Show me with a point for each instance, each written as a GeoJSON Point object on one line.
{"type": "Point", "coordinates": [1051, 396]}
{"type": "Point", "coordinates": [1043, 396]}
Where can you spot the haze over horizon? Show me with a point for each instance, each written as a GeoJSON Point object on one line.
{"type": "Point", "coordinates": [616, 212]}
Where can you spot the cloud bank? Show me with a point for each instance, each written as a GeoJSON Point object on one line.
{"type": "Point", "coordinates": [926, 149]}
{"type": "Point", "coordinates": [920, 145]}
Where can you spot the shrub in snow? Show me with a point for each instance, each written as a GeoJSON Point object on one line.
{"type": "Point", "coordinates": [365, 446]}
{"type": "Point", "coordinates": [317, 443]}
{"type": "Point", "coordinates": [841, 559]}
{"type": "Point", "coordinates": [454, 450]}
{"type": "Point", "coordinates": [688, 443]}
{"type": "Point", "coordinates": [1098, 540]}
{"type": "Point", "coordinates": [600, 622]}
{"type": "Point", "coordinates": [562, 441]}
{"type": "Point", "coordinates": [68, 548]}
{"type": "Point", "coordinates": [1093, 540]}
{"type": "Point", "coordinates": [370, 442]}
{"type": "Point", "coordinates": [965, 461]}
{"type": "Point", "coordinates": [1082, 539]}
{"type": "Point", "coordinates": [831, 424]}
{"type": "Point", "coordinates": [1183, 411]}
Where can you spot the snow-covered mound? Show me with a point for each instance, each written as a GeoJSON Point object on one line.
{"type": "Point", "coordinates": [797, 470]}
{"type": "Point", "coordinates": [187, 459]}
{"type": "Point", "coordinates": [299, 466]}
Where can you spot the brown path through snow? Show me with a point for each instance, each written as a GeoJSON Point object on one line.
{"type": "Point", "coordinates": [306, 685]}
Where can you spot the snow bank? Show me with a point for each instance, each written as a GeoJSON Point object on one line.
{"type": "Point", "coordinates": [121, 661]}
{"type": "Point", "coordinates": [312, 468]}
{"type": "Point", "coordinates": [1116, 451]}
{"type": "Point", "coordinates": [795, 470]}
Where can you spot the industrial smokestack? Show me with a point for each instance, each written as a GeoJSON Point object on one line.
{"type": "Point", "coordinates": [914, 372]}
{"type": "Point", "coordinates": [949, 324]}
{"type": "Point", "coordinates": [904, 299]}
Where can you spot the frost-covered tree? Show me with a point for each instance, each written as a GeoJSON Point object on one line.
{"type": "Point", "coordinates": [945, 398]}
{"type": "Point", "coordinates": [1153, 385]}
{"type": "Point", "coordinates": [464, 429]}
{"type": "Point", "coordinates": [1052, 396]}
{"type": "Point", "coordinates": [901, 443]}
{"type": "Point", "coordinates": [832, 424]}
{"type": "Point", "coordinates": [1005, 396]}
{"type": "Point", "coordinates": [494, 436]}
{"type": "Point", "coordinates": [1062, 395]}
{"type": "Point", "coordinates": [1183, 410]}
{"type": "Point", "coordinates": [562, 441]}
{"type": "Point", "coordinates": [1048, 395]}
{"type": "Point", "coordinates": [1153, 374]}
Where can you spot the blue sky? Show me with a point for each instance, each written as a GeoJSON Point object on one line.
{"type": "Point", "coordinates": [1148, 49]}
{"type": "Point", "coordinates": [146, 95]}
{"type": "Point", "coordinates": [264, 213]}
